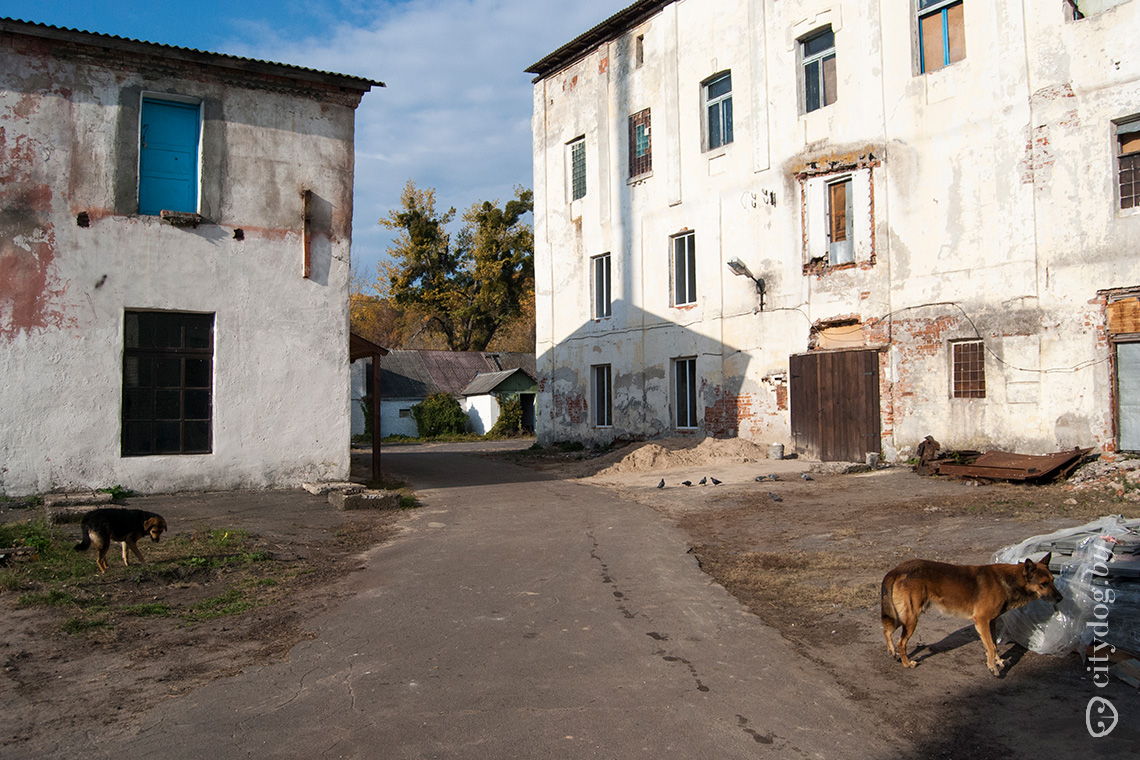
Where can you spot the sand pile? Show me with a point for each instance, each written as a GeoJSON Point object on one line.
{"type": "Point", "coordinates": [681, 452]}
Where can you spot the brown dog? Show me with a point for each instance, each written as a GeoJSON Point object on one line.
{"type": "Point", "coordinates": [102, 526]}
{"type": "Point", "coordinates": [977, 592]}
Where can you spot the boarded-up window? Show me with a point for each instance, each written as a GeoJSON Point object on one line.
{"type": "Point", "coordinates": [1128, 163]}
{"type": "Point", "coordinates": [640, 144]}
{"type": "Point", "coordinates": [941, 33]}
{"type": "Point", "coordinates": [168, 157]}
{"type": "Point", "coordinates": [969, 369]}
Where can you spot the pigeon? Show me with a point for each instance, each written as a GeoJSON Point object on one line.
{"type": "Point", "coordinates": [773, 476]}
{"type": "Point", "coordinates": [702, 481]}
{"type": "Point", "coordinates": [686, 483]}
{"type": "Point", "coordinates": [662, 483]}
{"type": "Point", "coordinates": [774, 497]}
{"type": "Point", "coordinates": [805, 476]}
{"type": "Point", "coordinates": [715, 482]}
{"type": "Point", "coordinates": [760, 478]}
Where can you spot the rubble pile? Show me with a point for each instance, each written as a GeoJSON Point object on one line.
{"type": "Point", "coordinates": [1121, 478]}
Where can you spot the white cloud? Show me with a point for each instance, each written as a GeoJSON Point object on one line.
{"type": "Point", "coordinates": [456, 112]}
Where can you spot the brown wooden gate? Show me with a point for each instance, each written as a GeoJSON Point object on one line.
{"type": "Point", "coordinates": [835, 405]}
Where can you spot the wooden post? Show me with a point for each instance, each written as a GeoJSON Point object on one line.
{"type": "Point", "coordinates": [376, 417]}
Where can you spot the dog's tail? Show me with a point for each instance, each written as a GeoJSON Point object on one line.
{"type": "Point", "coordinates": [887, 601]}
{"type": "Point", "coordinates": [84, 543]}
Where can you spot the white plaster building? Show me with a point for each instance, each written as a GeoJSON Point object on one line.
{"type": "Point", "coordinates": [937, 196]}
{"type": "Point", "coordinates": [174, 265]}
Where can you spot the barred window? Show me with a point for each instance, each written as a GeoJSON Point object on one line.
{"type": "Point", "coordinates": [168, 370]}
{"type": "Point", "coordinates": [969, 369]}
{"type": "Point", "coordinates": [640, 144]}
{"type": "Point", "coordinates": [578, 169]}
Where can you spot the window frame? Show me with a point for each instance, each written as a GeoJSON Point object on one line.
{"type": "Point", "coordinates": [819, 58]}
{"type": "Point", "coordinates": [968, 373]}
{"type": "Point", "coordinates": [602, 394]}
{"type": "Point", "coordinates": [601, 283]}
{"type": "Point", "coordinates": [684, 375]}
{"type": "Point", "coordinates": [722, 104]}
{"type": "Point", "coordinates": [683, 273]}
{"type": "Point", "coordinates": [145, 174]}
{"type": "Point", "coordinates": [640, 125]}
{"type": "Point", "coordinates": [1127, 164]}
{"type": "Point", "coordinates": [576, 159]}
{"type": "Point", "coordinates": [925, 9]}
{"type": "Point", "coordinates": [845, 181]}
{"type": "Point", "coordinates": [134, 390]}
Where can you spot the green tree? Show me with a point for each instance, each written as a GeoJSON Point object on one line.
{"type": "Point", "coordinates": [468, 288]}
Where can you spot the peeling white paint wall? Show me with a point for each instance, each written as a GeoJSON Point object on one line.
{"type": "Point", "coordinates": [985, 207]}
{"type": "Point", "coordinates": [68, 143]}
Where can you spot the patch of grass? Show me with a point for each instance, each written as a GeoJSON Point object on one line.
{"type": "Point", "coordinates": [52, 598]}
{"type": "Point", "coordinates": [229, 539]}
{"type": "Point", "coordinates": [231, 602]}
{"type": "Point", "coordinates": [408, 502]}
{"type": "Point", "coordinates": [147, 609]}
{"type": "Point", "coordinates": [78, 625]}
{"type": "Point", "coordinates": [118, 493]}
{"type": "Point", "coordinates": [22, 502]}
{"type": "Point", "coordinates": [33, 533]}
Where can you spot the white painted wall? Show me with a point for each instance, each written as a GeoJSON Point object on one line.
{"type": "Point", "coordinates": [392, 419]}
{"type": "Point", "coordinates": [482, 412]}
{"type": "Point", "coordinates": [280, 395]}
{"type": "Point", "coordinates": [985, 207]}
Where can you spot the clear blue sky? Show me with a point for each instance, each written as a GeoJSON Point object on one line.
{"type": "Point", "coordinates": [455, 115]}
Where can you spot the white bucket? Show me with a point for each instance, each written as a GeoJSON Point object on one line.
{"type": "Point", "coordinates": [776, 451]}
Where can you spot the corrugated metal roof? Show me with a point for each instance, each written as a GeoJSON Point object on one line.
{"type": "Point", "coordinates": [620, 22]}
{"type": "Point", "coordinates": [406, 373]}
{"type": "Point", "coordinates": [487, 382]}
{"type": "Point", "coordinates": [192, 55]}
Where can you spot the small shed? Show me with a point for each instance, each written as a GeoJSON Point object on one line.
{"type": "Point", "coordinates": [481, 397]}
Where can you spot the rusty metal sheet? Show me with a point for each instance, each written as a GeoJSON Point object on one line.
{"type": "Point", "coordinates": [1002, 465]}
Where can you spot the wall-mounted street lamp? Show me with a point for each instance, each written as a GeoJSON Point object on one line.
{"type": "Point", "coordinates": [739, 268]}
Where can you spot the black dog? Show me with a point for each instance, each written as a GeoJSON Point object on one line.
{"type": "Point", "coordinates": [102, 526]}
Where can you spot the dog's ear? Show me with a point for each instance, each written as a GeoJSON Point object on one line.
{"type": "Point", "coordinates": [1030, 568]}
{"type": "Point", "coordinates": [1045, 560]}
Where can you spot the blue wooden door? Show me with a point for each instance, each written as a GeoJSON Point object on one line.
{"type": "Point", "coordinates": [168, 157]}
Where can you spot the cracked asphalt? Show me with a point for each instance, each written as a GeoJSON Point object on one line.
{"type": "Point", "coordinates": [522, 617]}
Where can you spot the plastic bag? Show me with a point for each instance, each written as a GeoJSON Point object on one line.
{"type": "Point", "coordinates": [1057, 631]}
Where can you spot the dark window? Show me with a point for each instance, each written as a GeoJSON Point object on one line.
{"type": "Point", "coordinates": [818, 55]}
{"type": "Point", "coordinates": [941, 33]}
{"type": "Point", "coordinates": [168, 370]}
{"type": "Point", "coordinates": [684, 269]}
{"type": "Point", "coordinates": [1128, 163]}
{"type": "Point", "coordinates": [718, 107]}
{"type": "Point", "coordinates": [640, 144]}
{"type": "Point", "coordinates": [969, 369]}
{"type": "Point", "coordinates": [601, 277]}
{"type": "Point", "coordinates": [603, 396]}
{"type": "Point", "coordinates": [685, 392]}
{"type": "Point", "coordinates": [168, 157]}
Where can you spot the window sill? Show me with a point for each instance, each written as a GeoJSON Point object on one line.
{"type": "Point", "coordinates": [634, 181]}
{"type": "Point", "coordinates": [717, 152]}
{"type": "Point", "coordinates": [180, 218]}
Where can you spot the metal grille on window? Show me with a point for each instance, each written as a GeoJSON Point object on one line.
{"type": "Point", "coordinates": [969, 370]}
{"type": "Point", "coordinates": [167, 383]}
{"type": "Point", "coordinates": [640, 144]}
{"type": "Point", "coordinates": [818, 53]}
{"type": "Point", "coordinates": [578, 169]}
{"type": "Point", "coordinates": [718, 99]}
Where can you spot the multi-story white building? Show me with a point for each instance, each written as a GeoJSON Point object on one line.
{"type": "Point", "coordinates": [174, 265]}
{"type": "Point", "coordinates": [932, 204]}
